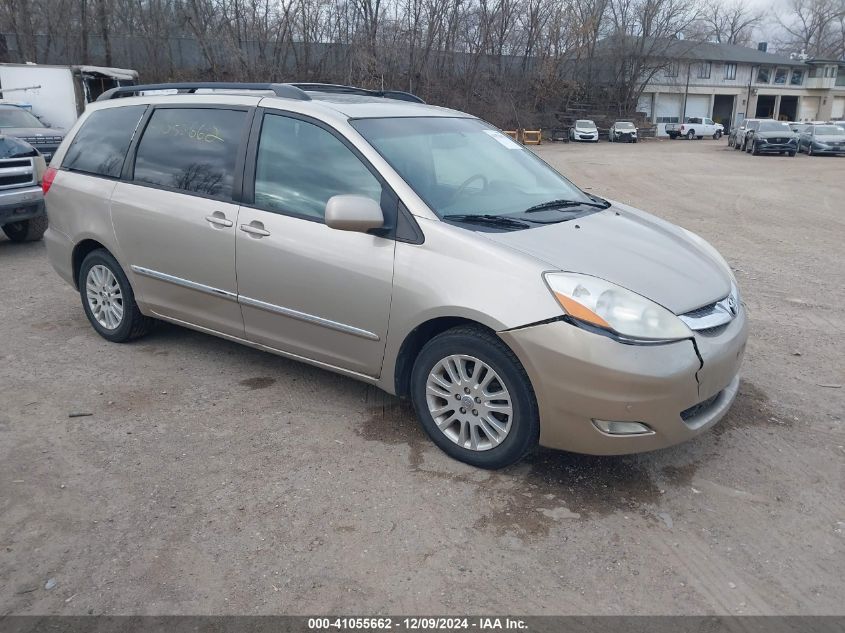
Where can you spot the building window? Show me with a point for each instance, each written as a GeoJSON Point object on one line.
{"type": "Point", "coordinates": [730, 71]}
{"type": "Point", "coordinates": [780, 76]}
{"type": "Point", "coordinates": [667, 119]}
{"type": "Point", "coordinates": [814, 72]}
{"type": "Point", "coordinates": [797, 77]}
{"type": "Point", "coordinates": [763, 74]}
{"type": "Point", "coordinates": [672, 69]}
{"type": "Point", "coordinates": [704, 69]}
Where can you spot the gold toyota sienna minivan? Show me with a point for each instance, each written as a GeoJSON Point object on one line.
{"type": "Point", "coordinates": [409, 246]}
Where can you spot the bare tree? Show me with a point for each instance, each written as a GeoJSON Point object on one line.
{"type": "Point", "coordinates": [731, 23]}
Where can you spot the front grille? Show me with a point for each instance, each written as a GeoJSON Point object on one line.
{"type": "Point", "coordinates": [698, 409]}
{"type": "Point", "coordinates": [16, 171]}
{"type": "Point", "coordinates": [713, 318]}
{"type": "Point", "coordinates": [8, 181]}
{"type": "Point", "coordinates": [42, 140]}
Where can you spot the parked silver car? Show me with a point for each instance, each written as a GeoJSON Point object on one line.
{"type": "Point", "coordinates": [822, 139]}
{"type": "Point", "coordinates": [412, 247]}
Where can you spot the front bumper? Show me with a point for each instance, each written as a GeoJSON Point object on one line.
{"type": "Point", "coordinates": [833, 151]}
{"type": "Point", "coordinates": [769, 148]}
{"type": "Point", "coordinates": [21, 204]}
{"type": "Point", "coordinates": [586, 137]}
{"type": "Point", "coordinates": [579, 376]}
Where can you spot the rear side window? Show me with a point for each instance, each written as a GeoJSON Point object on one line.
{"type": "Point", "coordinates": [191, 149]}
{"type": "Point", "coordinates": [100, 146]}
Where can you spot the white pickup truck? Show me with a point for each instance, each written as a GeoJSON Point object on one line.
{"type": "Point", "coordinates": [695, 127]}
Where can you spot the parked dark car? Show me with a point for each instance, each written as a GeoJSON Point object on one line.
{"type": "Point", "coordinates": [772, 137]}
{"type": "Point", "coordinates": [22, 216]}
{"type": "Point", "coordinates": [822, 139]}
{"type": "Point", "coordinates": [19, 122]}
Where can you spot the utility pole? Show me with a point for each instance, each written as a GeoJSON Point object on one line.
{"type": "Point", "coordinates": [686, 93]}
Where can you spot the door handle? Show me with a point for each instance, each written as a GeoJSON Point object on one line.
{"type": "Point", "coordinates": [255, 228]}
{"type": "Point", "coordinates": [218, 219]}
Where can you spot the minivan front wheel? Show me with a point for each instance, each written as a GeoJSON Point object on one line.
{"type": "Point", "coordinates": [474, 399]}
{"type": "Point", "coordinates": [108, 300]}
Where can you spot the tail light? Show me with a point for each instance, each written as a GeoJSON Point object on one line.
{"type": "Point", "coordinates": [47, 179]}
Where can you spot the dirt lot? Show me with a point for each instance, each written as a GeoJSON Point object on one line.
{"type": "Point", "coordinates": [212, 478]}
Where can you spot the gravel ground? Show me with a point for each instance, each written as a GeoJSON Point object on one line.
{"type": "Point", "coordinates": [211, 478]}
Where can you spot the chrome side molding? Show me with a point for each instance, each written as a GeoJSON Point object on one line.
{"type": "Point", "coordinates": [185, 283]}
{"type": "Point", "coordinates": [308, 318]}
{"type": "Point", "coordinates": [255, 303]}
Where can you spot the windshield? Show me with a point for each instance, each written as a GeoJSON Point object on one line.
{"type": "Point", "coordinates": [584, 123]}
{"type": "Point", "coordinates": [829, 130]}
{"type": "Point", "coordinates": [466, 167]}
{"type": "Point", "coordinates": [624, 125]}
{"type": "Point", "coordinates": [774, 126]}
{"type": "Point", "coordinates": [17, 117]}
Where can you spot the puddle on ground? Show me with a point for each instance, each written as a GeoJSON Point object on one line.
{"type": "Point", "coordinates": [394, 422]}
{"type": "Point", "coordinates": [550, 488]}
{"type": "Point", "coordinates": [557, 487]}
{"type": "Point", "coordinates": [259, 382]}
{"type": "Point", "coordinates": [752, 408]}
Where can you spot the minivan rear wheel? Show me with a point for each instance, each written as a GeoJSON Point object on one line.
{"type": "Point", "coordinates": [108, 300]}
{"type": "Point", "coordinates": [474, 399]}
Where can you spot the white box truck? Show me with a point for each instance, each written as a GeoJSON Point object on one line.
{"type": "Point", "coordinates": [58, 94]}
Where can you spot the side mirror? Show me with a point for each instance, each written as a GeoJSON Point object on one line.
{"type": "Point", "coordinates": [353, 213]}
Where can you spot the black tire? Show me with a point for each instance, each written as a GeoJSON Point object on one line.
{"type": "Point", "coordinates": [488, 348]}
{"type": "Point", "coordinates": [717, 135]}
{"type": "Point", "coordinates": [791, 154]}
{"type": "Point", "coordinates": [690, 135]}
{"type": "Point", "coordinates": [30, 230]}
{"type": "Point", "coordinates": [133, 324]}
{"type": "Point", "coordinates": [673, 137]}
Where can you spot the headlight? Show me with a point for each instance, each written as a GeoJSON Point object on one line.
{"type": "Point", "coordinates": [611, 307]}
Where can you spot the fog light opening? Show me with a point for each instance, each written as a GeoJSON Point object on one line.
{"type": "Point", "coordinates": [610, 427]}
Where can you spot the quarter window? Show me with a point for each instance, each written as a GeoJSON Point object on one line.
{"type": "Point", "coordinates": [730, 71]}
{"type": "Point", "coordinates": [100, 146]}
{"type": "Point", "coordinates": [301, 165]}
{"type": "Point", "coordinates": [191, 149]}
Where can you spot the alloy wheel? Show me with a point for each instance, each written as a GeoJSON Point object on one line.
{"type": "Point", "coordinates": [105, 299]}
{"type": "Point", "coordinates": [469, 402]}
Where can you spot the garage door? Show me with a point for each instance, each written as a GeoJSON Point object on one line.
{"type": "Point", "coordinates": [838, 111]}
{"type": "Point", "coordinates": [668, 110]}
{"type": "Point", "coordinates": [809, 109]}
{"type": "Point", "coordinates": [698, 105]}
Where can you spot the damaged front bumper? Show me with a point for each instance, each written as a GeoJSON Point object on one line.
{"type": "Point", "coordinates": [677, 390]}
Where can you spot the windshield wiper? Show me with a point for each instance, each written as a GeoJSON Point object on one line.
{"type": "Point", "coordinates": [488, 219]}
{"type": "Point", "coordinates": [562, 204]}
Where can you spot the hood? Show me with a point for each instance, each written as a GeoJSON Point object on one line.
{"type": "Point", "coordinates": [829, 138]}
{"type": "Point", "coordinates": [632, 249]}
{"type": "Point", "coordinates": [27, 132]}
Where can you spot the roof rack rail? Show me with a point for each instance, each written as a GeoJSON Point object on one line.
{"type": "Point", "coordinates": [288, 91]}
{"type": "Point", "coordinates": [341, 89]}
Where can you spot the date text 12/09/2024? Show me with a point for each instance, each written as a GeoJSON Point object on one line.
{"type": "Point", "coordinates": [416, 624]}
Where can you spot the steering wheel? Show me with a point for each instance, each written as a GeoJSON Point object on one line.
{"type": "Point", "coordinates": [466, 184]}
